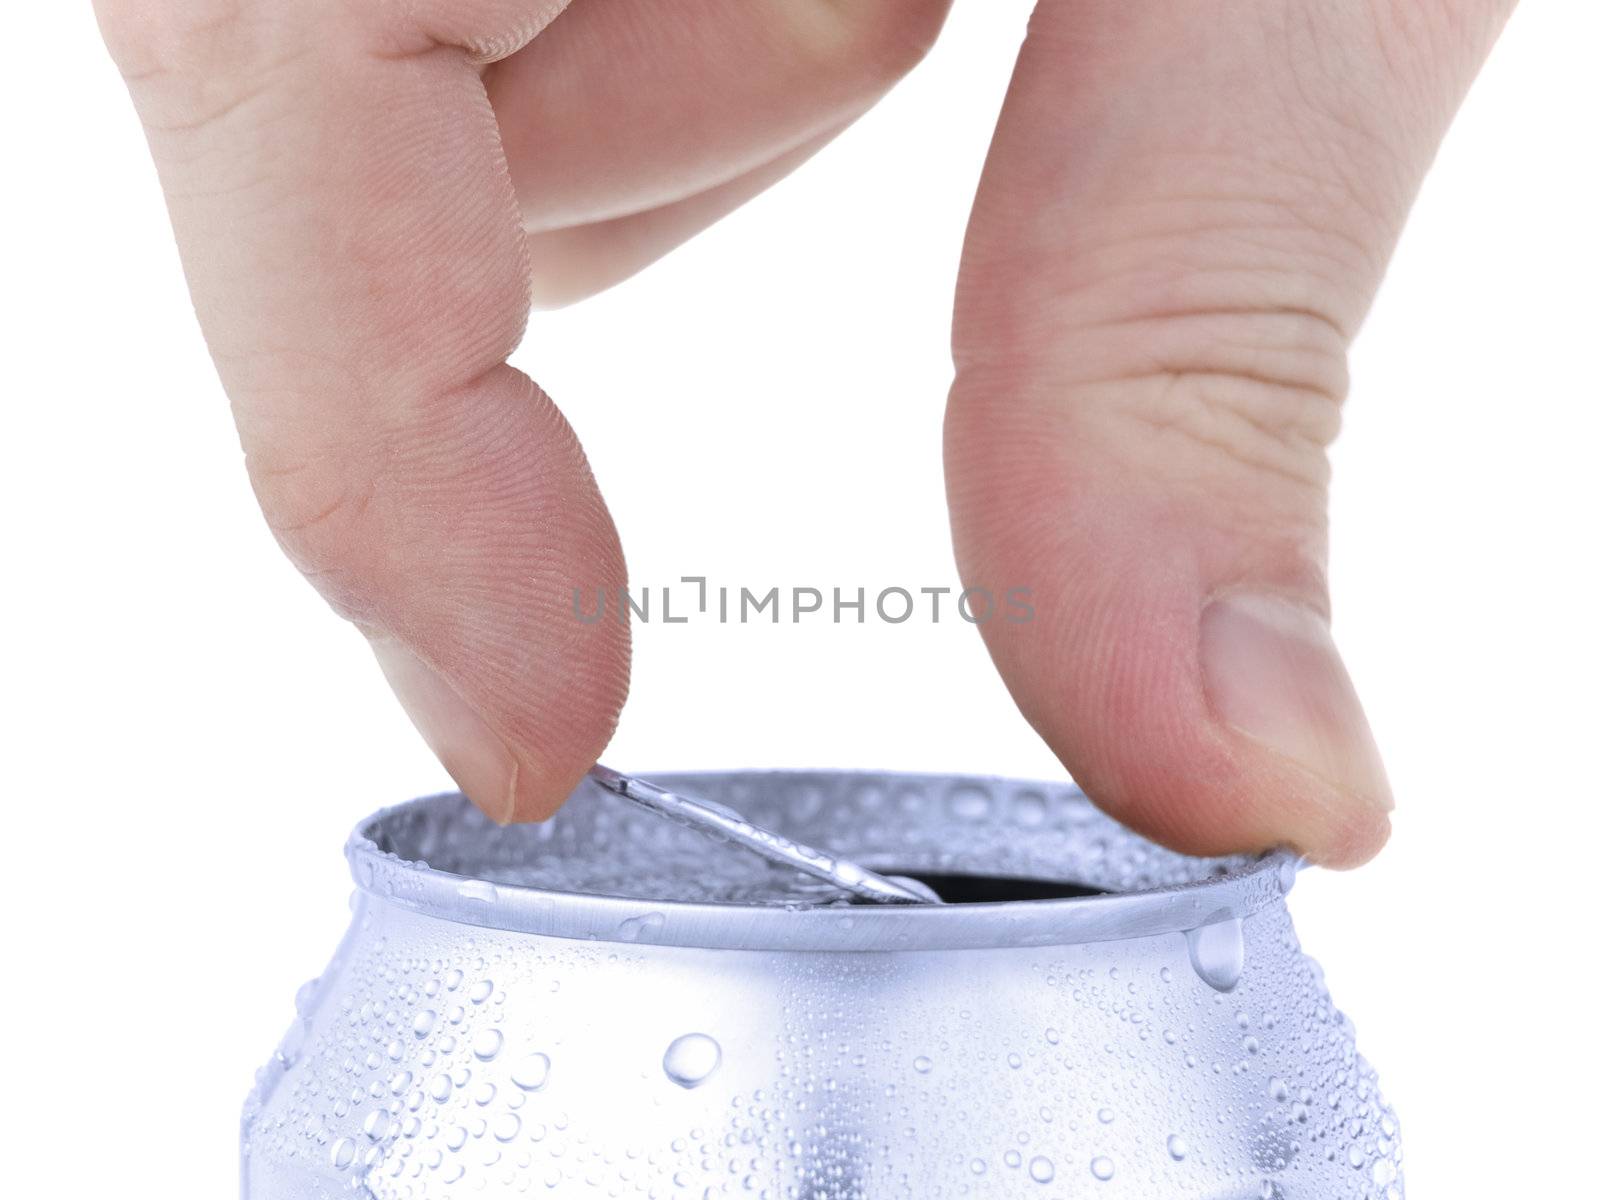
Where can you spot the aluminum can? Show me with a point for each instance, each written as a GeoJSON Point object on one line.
{"type": "Point", "coordinates": [608, 1005]}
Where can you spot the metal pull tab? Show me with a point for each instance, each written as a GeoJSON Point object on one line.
{"type": "Point", "coordinates": [724, 824]}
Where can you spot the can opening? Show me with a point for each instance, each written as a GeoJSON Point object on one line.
{"type": "Point", "coordinates": [964, 888]}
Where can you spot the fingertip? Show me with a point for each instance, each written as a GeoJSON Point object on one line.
{"type": "Point", "coordinates": [509, 784]}
{"type": "Point", "coordinates": [1359, 839]}
{"type": "Point", "coordinates": [540, 789]}
{"type": "Point", "coordinates": [1210, 799]}
{"type": "Point", "coordinates": [1211, 731]}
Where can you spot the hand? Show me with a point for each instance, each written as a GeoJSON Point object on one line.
{"type": "Point", "coordinates": [1184, 216]}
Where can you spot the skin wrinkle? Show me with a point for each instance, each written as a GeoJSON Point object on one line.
{"type": "Point", "coordinates": [160, 42]}
{"type": "Point", "coordinates": [1286, 424]}
{"type": "Point", "coordinates": [1175, 316]}
{"type": "Point", "coordinates": [1147, 287]}
{"type": "Point", "coordinates": [264, 71]}
{"type": "Point", "coordinates": [1095, 356]}
{"type": "Point", "coordinates": [1172, 410]}
{"type": "Point", "coordinates": [184, 59]}
{"type": "Point", "coordinates": [1052, 389]}
{"type": "Point", "coordinates": [1131, 347]}
{"type": "Point", "coordinates": [1311, 86]}
{"type": "Point", "coordinates": [247, 186]}
{"type": "Point", "coordinates": [349, 505]}
{"type": "Point", "coordinates": [1232, 447]}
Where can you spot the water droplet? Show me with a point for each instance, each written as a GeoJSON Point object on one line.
{"type": "Point", "coordinates": [1102, 1168]}
{"type": "Point", "coordinates": [922, 1063]}
{"type": "Point", "coordinates": [486, 1044]}
{"type": "Point", "coordinates": [1014, 1060]}
{"type": "Point", "coordinates": [478, 889]}
{"type": "Point", "coordinates": [635, 928]}
{"type": "Point", "coordinates": [969, 803]}
{"type": "Point", "coordinates": [293, 1042]}
{"type": "Point", "coordinates": [1106, 1116]}
{"type": "Point", "coordinates": [1178, 1148]}
{"type": "Point", "coordinates": [424, 1023]}
{"type": "Point", "coordinates": [377, 1124]}
{"type": "Point", "coordinates": [481, 991]}
{"type": "Point", "coordinates": [1041, 1169]}
{"type": "Point", "coordinates": [532, 1073]}
{"type": "Point", "coordinates": [1286, 873]}
{"type": "Point", "coordinates": [342, 1154]}
{"type": "Point", "coordinates": [306, 997]}
{"type": "Point", "coordinates": [1217, 953]}
{"type": "Point", "coordinates": [691, 1059]}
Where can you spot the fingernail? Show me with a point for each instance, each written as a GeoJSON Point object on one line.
{"type": "Point", "coordinates": [1272, 672]}
{"type": "Point", "coordinates": [482, 765]}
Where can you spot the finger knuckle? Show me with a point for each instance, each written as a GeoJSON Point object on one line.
{"type": "Point", "coordinates": [196, 66]}
{"type": "Point", "coordinates": [323, 508]}
{"type": "Point", "coordinates": [1233, 401]}
{"type": "Point", "coordinates": [1255, 390]}
{"type": "Point", "coordinates": [148, 37]}
{"type": "Point", "coordinates": [1209, 420]}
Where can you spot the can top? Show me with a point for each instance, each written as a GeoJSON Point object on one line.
{"type": "Point", "coordinates": [1027, 864]}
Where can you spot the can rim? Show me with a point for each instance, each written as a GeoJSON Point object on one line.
{"type": "Point", "coordinates": [520, 908]}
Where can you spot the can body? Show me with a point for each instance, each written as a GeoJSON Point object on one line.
{"type": "Point", "coordinates": [475, 1039]}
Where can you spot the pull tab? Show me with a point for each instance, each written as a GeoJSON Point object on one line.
{"type": "Point", "coordinates": [723, 824]}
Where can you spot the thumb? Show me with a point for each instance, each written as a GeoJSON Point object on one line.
{"type": "Point", "coordinates": [1184, 216]}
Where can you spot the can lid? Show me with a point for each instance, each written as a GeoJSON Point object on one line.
{"type": "Point", "coordinates": [604, 870]}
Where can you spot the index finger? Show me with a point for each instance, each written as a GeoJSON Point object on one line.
{"type": "Point", "coordinates": [357, 262]}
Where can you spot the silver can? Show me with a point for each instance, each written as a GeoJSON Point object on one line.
{"type": "Point", "coordinates": [608, 1005]}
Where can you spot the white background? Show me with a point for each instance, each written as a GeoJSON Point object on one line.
{"type": "Point", "coordinates": [189, 734]}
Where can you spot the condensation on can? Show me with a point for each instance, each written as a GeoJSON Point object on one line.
{"type": "Point", "coordinates": [606, 1006]}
